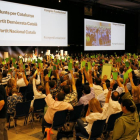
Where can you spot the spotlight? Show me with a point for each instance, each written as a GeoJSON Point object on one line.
{"type": "Point", "coordinates": [59, 0]}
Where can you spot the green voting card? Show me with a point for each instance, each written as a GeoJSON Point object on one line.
{"type": "Point", "coordinates": [3, 63]}
{"type": "Point", "coordinates": [125, 76]}
{"type": "Point", "coordinates": [58, 61]}
{"type": "Point", "coordinates": [71, 60]}
{"type": "Point", "coordinates": [93, 64]}
{"type": "Point", "coordinates": [37, 65]}
{"type": "Point", "coordinates": [127, 64]}
{"type": "Point", "coordinates": [129, 70]}
{"type": "Point", "coordinates": [41, 65]}
{"type": "Point", "coordinates": [139, 63]}
{"type": "Point", "coordinates": [7, 60]}
{"type": "Point", "coordinates": [14, 60]}
{"type": "Point", "coordinates": [38, 60]}
{"type": "Point", "coordinates": [115, 74]}
{"type": "Point", "coordinates": [70, 66]}
{"type": "Point", "coordinates": [20, 61]}
{"type": "Point", "coordinates": [89, 66]}
{"type": "Point", "coordinates": [15, 66]}
{"type": "Point", "coordinates": [24, 66]}
{"type": "Point", "coordinates": [54, 67]}
{"type": "Point", "coordinates": [119, 59]}
{"type": "Point", "coordinates": [49, 74]}
{"type": "Point", "coordinates": [33, 61]}
{"type": "Point", "coordinates": [10, 71]}
{"type": "Point", "coordinates": [86, 68]}
{"type": "Point", "coordinates": [106, 70]}
{"type": "Point", "coordinates": [83, 63]}
{"type": "Point", "coordinates": [63, 60]}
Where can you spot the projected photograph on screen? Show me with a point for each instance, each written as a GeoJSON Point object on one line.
{"type": "Point", "coordinates": [24, 25]}
{"type": "Point", "coordinates": [101, 35]}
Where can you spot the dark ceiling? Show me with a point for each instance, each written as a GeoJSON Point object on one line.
{"type": "Point", "coordinates": [130, 5]}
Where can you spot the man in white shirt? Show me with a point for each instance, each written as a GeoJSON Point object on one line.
{"type": "Point", "coordinates": [37, 91]}
{"type": "Point", "coordinates": [97, 87]}
{"type": "Point", "coordinates": [54, 105]}
{"type": "Point", "coordinates": [88, 91]}
{"type": "Point", "coordinates": [20, 81]}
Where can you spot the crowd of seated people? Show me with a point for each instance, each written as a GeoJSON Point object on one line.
{"type": "Point", "coordinates": [64, 88]}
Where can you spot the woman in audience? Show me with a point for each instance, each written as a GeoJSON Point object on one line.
{"type": "Point", "coordinates": [10, 85]}
{"type": "Point", "coordinates": [127, 126]}
{"type": "Point", "coordinates": [12, 101]}
{"type": "Point", "coordinates": [29, 91]}
{"type": "Point", "coordinates": [37, 91]}
{"type": "Point", "coordinates": [96, 113]}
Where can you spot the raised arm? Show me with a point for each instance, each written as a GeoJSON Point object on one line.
{"type": "Point", "coordinates": [132, 83]}
{"type": "Point", "coordinates": [119, 82]}
{"type": "Point", "coordinates": [47, 85]}
{"type": "Point", "coordinates": [83, 81]}
{"type": "Point", "coordinates": [25, 79]}
{"type": "Point", "coordinates": [34, 86]}
{"type": "Point", "coordinates": [90, 79]}
{"type": "Point", "coordinates": [110, 90]}
{"type": "Point", "coordinates": [86, 75]}
{"type": "Point", "coordinates": [73, 81]}
{"type": "Point", "coordinates": [103, 82]}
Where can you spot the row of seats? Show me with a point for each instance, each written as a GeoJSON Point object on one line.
{"type": "Point", "coordinates": [61, 117]}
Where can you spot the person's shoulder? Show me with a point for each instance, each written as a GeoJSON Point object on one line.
{"type": "Point", "coordinates": [120, 120]}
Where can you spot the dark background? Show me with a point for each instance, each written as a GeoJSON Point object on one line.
{"type": "Point", "coordinates": [76, 26]}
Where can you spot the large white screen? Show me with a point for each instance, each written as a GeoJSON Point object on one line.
{"type": "Point", "coordinates": [102, 35]}
{"type": "Point", "coordinates": [23, 25]}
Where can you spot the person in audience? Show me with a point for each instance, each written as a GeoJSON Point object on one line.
{"type": "Point", "coordinates": [127, 126]}
{"type": "Point", "coordinates": [55, 85]}
{"type": "Point", "coordinates": [21, 81]}
{"type": "Point", "coordinates": [105, 83]}
{"type": "Point", "coordinates": [5, 77]}
{"type": "Point", "coordinates": [37, 91]}
{"type": "Point", "coordinates": [135, 93]}
{"type": "Point", "coordinates": [10, 85]}
{"type": "Point", "coordinates": [12, 101]}
{"type": "Point", "coordinates": [29, 91]}
{"type": "Point", "coordinates": [97, 84]}
{"type": "Point", "coordinates": [88, 91]}
{"type": "Point", "coordinates": [62, 92]}
{"type": "Point", "coordinates": [3, 110]}
{"type": "Point", "coordinates": [71, 97]}
{"type": "Point", "coordinates": [121, 70]}
{"type": "Point", "coordinates": [98, 114]}
{"type": "Point", "coordinates": [53, 105]}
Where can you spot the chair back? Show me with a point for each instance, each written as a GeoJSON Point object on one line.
{"type": "Point", "coordinates": [39, 105]}
{"type": "Point", "coordinates": [138, 107]}
{"type": "Point", "coordinates": [84, 111]}
{"type": "Point", "coordinates": [22, 109]}
{"type": "Point", "coordinates": [97, 129]}
{"type": "Point", "coordinates": [111, 121]}
{"type": "Point", "coordinates": [76, 113]}
{"type": "Point", "coordinates": [23, 91]}
{"type": "Point", "coordinates": [59, 119]}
